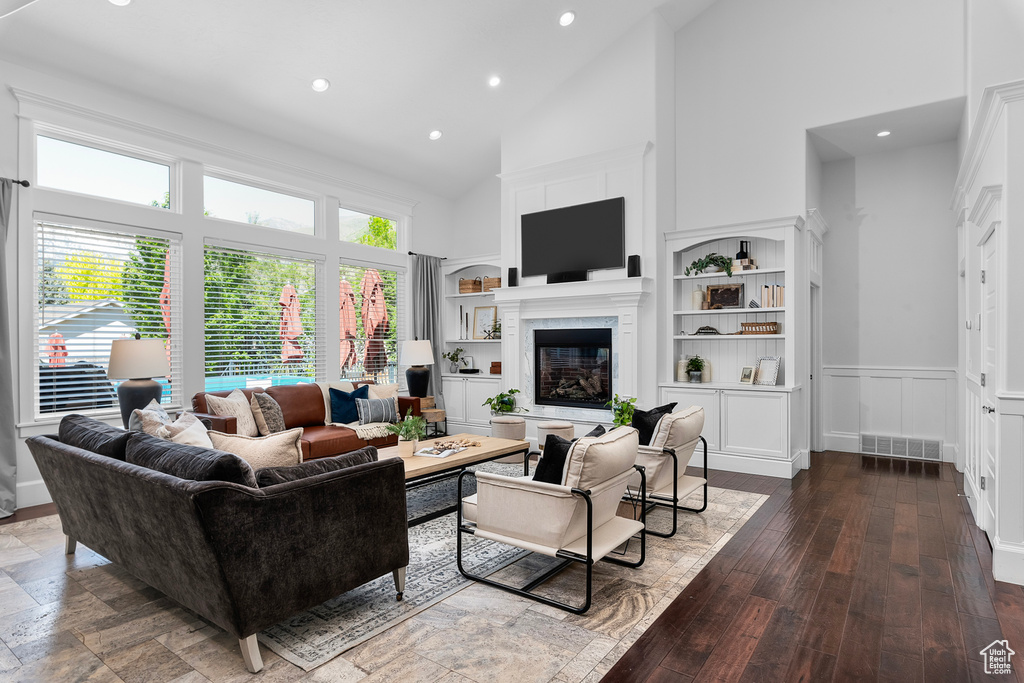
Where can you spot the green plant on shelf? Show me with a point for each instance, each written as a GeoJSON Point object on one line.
{"type": "Point", "coordinates": [695, 364]}
{"type": "Point", "coordinates": [712, 260]}
{"type": "Point", "coordinates": [455, 356]}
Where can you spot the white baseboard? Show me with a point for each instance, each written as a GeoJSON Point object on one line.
{"type": "Point", "coordinates": [29, 493]}
{"type": "Point", "coordinates": [1008, 562]}
{"type": "Point", "coordinates": [841, 441]}
{"type": "Point", "coordinates": [750, 464]}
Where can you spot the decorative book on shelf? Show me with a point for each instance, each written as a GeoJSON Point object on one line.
{"type": "Point", "coordinates": [773, 296]}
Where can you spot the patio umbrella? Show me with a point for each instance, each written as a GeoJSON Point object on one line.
{"type": "Point", "coordinates": [375, 322]}
{"type": "Point", "coordinates": [291, 325]}
{"type": "Point", "coordinates": [347, 328]}
{"type": "Point", "coordinates": [56, 350]}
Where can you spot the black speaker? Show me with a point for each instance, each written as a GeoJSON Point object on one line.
{"type": "Point", "coordinates": [567, 276]}
{"type": "Point", "coordinates": [513, 277]}
{"type": "Point", "coordinates": [633, 265]}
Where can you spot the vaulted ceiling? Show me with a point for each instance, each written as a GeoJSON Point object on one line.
{"type": "Point", "coordinates": [398, 68]}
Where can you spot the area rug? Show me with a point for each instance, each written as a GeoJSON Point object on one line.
{"type": "Point", "coordinates": [314, 637]}
{"type": "Point", "coordinates": [328, 630]}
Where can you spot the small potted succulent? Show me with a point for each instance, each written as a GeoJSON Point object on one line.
{"type": "Point", "coordinates": [410, 430]}
{"type": "Point", "coordinates": [456, 357]}
{"type": "Point", "coordinates": [505, 402]}
{"type": "Point", "coordinates": [695, 366]}
{"type": "Point", "coordinates": [622, 410]}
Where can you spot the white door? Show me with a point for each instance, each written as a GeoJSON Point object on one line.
{"type": "Point", "coordinates": [989, 339]}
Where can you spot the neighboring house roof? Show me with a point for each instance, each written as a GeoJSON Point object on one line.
{"type": "Point", "coordinates": [86, 308]}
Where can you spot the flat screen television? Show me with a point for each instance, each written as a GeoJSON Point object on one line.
{"type": "Point", "coordinates": [575, 238]}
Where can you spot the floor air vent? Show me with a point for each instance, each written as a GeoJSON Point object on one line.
{"type": "Point", "coordinates": [901, 447]}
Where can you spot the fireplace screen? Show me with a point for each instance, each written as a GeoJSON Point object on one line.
{"type": "Point", "coordinates": [573, 367]}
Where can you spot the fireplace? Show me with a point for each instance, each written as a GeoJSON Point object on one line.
{"type": "Point", "coordinates": [573, 367]}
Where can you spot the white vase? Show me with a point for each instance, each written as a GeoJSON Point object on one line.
{"type": "Point", "coordinates": [407, 448]}
{"type": "Point", "coordinates": [705, 374]}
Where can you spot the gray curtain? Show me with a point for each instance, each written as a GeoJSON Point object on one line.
{"type": "Point", "coordinates": [426, 313]}
{"type": "Point", "coordinates": [8, 442]}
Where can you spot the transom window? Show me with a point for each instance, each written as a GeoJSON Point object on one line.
{"type": "Point", "coordinates": [74, 167]}
{"type": "Point", "coordinates": [362, 228]}
{"type": "Point", "coordinates": [231, 201]}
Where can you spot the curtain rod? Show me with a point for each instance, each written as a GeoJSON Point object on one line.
{"type": "Point", "coordinates": [23, 183]}
{"type": "Point", "coordinates": [413, 253]}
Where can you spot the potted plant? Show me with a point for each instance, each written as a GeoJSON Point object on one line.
{"type": "Point", "coordinates": [410, 430]}
{"type": "Point", "coordinates": [622, 410]}
{"type": "Point", "coordinates": [456, 358]}
{"type": "Point", "coordinates": [695, 366]}
{"type": "Point", "coordinates": [505, 402]}
{"type": "Point", "coordinates": [712, 260]}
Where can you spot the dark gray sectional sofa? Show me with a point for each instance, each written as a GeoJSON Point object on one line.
{"type": "Point", "coordinates": [241, 556]}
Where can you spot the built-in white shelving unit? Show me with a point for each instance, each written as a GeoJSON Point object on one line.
{"type": "Point", "coordinates": [751, 428]}
{"type": "Point", "coordinates": [464, 394]}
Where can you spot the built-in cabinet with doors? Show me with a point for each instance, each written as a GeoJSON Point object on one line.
{"type": "Point", "coordinates": [468, 323]}
{"type": "Point", "coordinates": [732, 322]}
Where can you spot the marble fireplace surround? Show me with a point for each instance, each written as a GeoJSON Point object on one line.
{"type": "Point", "coordinates": [611, 304]}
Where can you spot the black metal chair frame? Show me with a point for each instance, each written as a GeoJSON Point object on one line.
{"type": "Point", "coordinates": [567, 557]}
{"type": "Point", "coordinates": [657, 500]}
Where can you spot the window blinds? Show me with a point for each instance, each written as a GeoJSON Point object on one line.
{"type": "Point", "coordinates": [94, 285]}
{"type": "Point", "coordinates": [370, 315]}
{"type": "Point", "coordinates": [262, 323]}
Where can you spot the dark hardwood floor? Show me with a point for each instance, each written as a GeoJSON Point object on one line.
{"type": "Point", "coordinates": [859, 569]}
{"type": "Point", "coordinates": [34, 512]}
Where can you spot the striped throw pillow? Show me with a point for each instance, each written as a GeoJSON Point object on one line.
{"type": "Point", "coordinates": [376, 410]}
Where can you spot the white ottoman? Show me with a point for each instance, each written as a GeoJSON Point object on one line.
{"type": "Point", "coordinates": [509, 427]}
{"type": "Point", "coordinates": [556, 427]}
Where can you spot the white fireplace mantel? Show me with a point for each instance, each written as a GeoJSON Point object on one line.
{"type": "Point", "coordinates": [620, 299]}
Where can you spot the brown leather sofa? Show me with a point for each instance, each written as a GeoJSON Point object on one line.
{"type": "Point", "coordinates": [303, 406]}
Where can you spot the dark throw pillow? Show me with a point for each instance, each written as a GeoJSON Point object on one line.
{"type": "Point", "coordinates": [597, 431]}
{"type": "Point", "coordinates": [552, 462]}
{"type": "Point", "coordinates": [187, 462]}
{"type": "Point", "coordinates": [343, 404]}
{"type": "Point", "coordinates": [269, 476]}
{"type": "Point", "coordinates": [646, 420]}
{"type": "Point", "coordinates": [92, 435]}
{"type": "Point", "coordinates": [270, 411]}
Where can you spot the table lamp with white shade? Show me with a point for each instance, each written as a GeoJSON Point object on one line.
{"type": "Point", "coordinates": [417, 354]}
{"type": "Point", "coordinates": [137, 361]}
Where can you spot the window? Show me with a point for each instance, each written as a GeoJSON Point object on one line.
{"type": "Point", "coordinates": [93, 286]}
{"type": "Point", "coordinates": [77, 168]}
{"type": "Point", "coordinates": [369, 323]}
{"type": "Point", "coordinates": [363, 228]}
{"type": "Point", "coordinates": [247, 204]}
{"type": "Point", "coordinates": [261, 319]}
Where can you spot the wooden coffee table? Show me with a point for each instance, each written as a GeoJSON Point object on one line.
{"type": "Point", "coordinates": [421, 470]}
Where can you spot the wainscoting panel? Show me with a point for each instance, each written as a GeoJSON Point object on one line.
{"type": "Point", "coordinates": [885, 401]}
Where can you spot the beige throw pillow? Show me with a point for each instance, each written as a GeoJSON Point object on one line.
{"type": "Point", "coordinates": [235, 404]}
{"type": "Point", "coordinates": [187, 429]}
{"type": "Point", "coordinates": [276, 450]}
{"type": "Point", "coordinates": [148, 419]}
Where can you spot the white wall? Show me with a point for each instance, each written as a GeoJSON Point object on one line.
{"type": "Point", "coordinates": [889, 290]}
{"type": "Point", "coordinates": [476, 223]}
{"type": "Point", "coordinates": [215, 142]}
{"type": "Point", "coordinates": [752, 76]}
{"type": "Point", "coordinates": [995, 47]}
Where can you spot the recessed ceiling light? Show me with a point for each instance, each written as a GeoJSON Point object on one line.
{"type": "Point", "coordinates": [120, 3]}
{"type": "Point", "coordinates": [321, 84]}
{"type": "Point", "coordinates": [435, 135]}
{"type": "Point", "coordinates": [883, 133]}
{"type": "Point", "coordinates": [494, 81]}
{"type": "Point", "coordinates": [567, 18]}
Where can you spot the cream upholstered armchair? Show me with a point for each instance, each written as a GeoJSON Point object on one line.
{"type": "Point", "coordinates": [665, 460]}
{"type": "Point", "coordinates": [574, 521]}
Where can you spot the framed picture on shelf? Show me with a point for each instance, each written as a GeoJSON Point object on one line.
{"type": "Point", "coordinates": [483, 321]}
{"type": "Point", "coordinates": [747, 374]}
{"type": "Point", "coordinates": [767, 372]}
{"type": "Point", "coordinates": [725, 296]}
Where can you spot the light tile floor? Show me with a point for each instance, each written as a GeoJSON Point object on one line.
{"type": "Point", "coordinates": [80, 618]}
